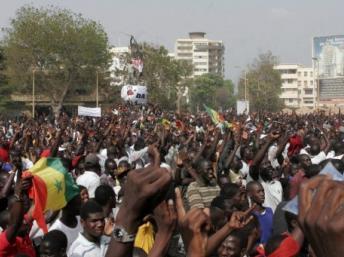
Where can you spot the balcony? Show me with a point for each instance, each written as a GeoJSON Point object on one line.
{"type": "Point", "coordinates": [289, 76]}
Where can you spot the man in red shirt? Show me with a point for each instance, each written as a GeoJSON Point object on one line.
{"type": "Point", "coordinates": [15, 237]}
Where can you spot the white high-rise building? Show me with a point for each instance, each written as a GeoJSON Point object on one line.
{"type": "Point", "coordinates": [206, 56]}
{"type": "Point", "coordinates": [298, 85]}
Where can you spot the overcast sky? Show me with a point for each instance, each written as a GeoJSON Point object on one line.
{"type": "Point", "coordinates": [247, 27]}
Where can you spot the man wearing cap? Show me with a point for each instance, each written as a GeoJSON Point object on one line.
{"type": "Point", "coordinates": [90, 178]}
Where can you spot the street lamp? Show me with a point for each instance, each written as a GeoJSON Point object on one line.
{"type": "Point", "coordinates": [33, 93]}
{"type": "Point", "coordinates": [245, 85]}
{"type": "Point", "coordinates": [97, 88]}
{"type": "Point", "coordinates": [316, 60]}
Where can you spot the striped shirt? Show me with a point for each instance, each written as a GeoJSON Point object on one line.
{"type": "Point", "coordinates": [201, 196]}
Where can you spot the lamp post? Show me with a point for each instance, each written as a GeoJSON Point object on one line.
{"type": "Point", "coordinates": [33, 93]}
{"type": "Point", "coordinates": [245, 84]}
{"type": "Point", "coordinates": [97, 88]}
{"type": "Point", "coordinates": [316, 61]}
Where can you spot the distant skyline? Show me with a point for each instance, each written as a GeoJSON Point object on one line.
{"type": "Point", "coordinates": [247, 27]}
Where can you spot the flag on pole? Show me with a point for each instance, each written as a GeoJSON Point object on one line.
{"type": "Point", "coordinates": [52, 188]}
{"type": "Point", "coordinates": [216, 117]}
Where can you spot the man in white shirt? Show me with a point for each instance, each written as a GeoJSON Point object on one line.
{"type": "Point", "coordinates": [90, 178]}
{"type": "Point", "coordinates": [69, 223]}
{"type": "Point", "coordinates": [91, 242]}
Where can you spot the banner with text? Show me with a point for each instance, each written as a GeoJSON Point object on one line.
{"type": "Point", "coordinates": [88, 111]}
{"type": "Point", "coordinates": [135, 94]}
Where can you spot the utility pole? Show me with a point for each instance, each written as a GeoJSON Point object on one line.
{"type": "Point", "coordinates": [97, 88]}
{"type": "Point", "coordinates": [33, 93]}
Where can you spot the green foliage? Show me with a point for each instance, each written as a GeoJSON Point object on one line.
{"type": "Point", "coordinates": [263, 84]}
{"type": "Point", "coordinates": [212, 90]}
{"type": "Point", "coordinates": [62, 47]}
{"type": "Point", "coordinates": [163, 75]}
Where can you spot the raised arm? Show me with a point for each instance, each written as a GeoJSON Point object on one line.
{"type": "Point", "coordinates": [17, 210]}
{"type": "Point", "coordinates": [254, 169]}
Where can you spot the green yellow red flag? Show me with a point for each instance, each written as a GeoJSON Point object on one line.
{"type": "Point", "coordinates": [52, 188]}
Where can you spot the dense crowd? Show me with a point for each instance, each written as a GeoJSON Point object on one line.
{"type": "Point", "coordinates": [161, 183]}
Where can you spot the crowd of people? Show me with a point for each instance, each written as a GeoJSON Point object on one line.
{"type": "Point", "coordinates": [160, 183]}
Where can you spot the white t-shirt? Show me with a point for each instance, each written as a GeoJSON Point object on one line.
{"type": "Point", "coordinates": [332, 155]}
{"type": "Point", "coordinates": [316, 159]}
{"type": "Point", "coordinates": [71, 233]}
{"type": "Point", "coordinates": [81, 247]}
{"type": "Point", "coordinates": [273, 193]}
{"type": "Point", "coordinates": [90, 180]}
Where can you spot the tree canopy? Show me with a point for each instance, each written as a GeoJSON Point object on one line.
{"type": "Point", "coordinates": [62, 49]}
{"type": "Point", "coordinates": [263, 84]}
{"type": "Point", "coordinates": [212, 90]}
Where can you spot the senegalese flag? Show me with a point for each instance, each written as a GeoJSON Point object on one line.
{"type": "Point", "coordinates": [52, 188]}
{"type": "Point", "coordinates": [166, 123]}
{"type": "Point", "coordinates": [216, 117]}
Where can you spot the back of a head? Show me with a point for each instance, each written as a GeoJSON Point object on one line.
{"type": "Point", "coordinates": [218, 202]}
{"type": "Point", "coordinates": [103, 194]}
{"type": "Point", "coordinates": [252, 184]}
{"type": "Point", "coordinates": [339, 147]}
{"type": "Point", "coordinates": [88, 208]}
{"type": "Point", "coordinates": [139, 144]}
{"type": "Point", "coordinates": [55, 241]}
{"type": "Point", "coordinates": [229, 190]}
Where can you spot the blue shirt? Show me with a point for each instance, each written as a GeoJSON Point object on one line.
{"type": "Point", "coordinates": [265, 222]}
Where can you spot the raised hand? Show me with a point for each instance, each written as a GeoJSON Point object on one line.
{"type": "Point", "coordinates": [142, 186]}
{"type": "Point", "coordinates": [321, 212]}
{"type": "Point", "coordinates": [194, 227]}
{"type": "Point", "coordinates": [240, 219]}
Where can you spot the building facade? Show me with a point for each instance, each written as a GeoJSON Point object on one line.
{"type": "Point", "coordinates": [298, 86]}
{"type": "Point", "coordinates": [206, 56]}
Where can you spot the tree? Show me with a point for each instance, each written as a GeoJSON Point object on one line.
{"type": "Point", "coordinates": [212, 90]}
{"type": "Point", "coordinates": [263, 84]}
{"type": "Point", "coordinates": [61, 49]}
{"type": "Point", "coordinates": [224, 96]}
{"type": "Point", "coordinates": [165, 77]}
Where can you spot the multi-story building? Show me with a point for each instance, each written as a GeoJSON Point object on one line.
{"type": "Point", "coordinates": [298, 85]}
{"type": "Point", "coordinates": [206, 56]}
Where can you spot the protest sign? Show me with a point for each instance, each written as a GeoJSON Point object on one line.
{"type": "Point", "coordinates": [88, 111]}
{"type": "Point", "coordinates": [134, 93]}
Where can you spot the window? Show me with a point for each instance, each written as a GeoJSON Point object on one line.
{"type": "Point", "coordinates": [290, 81]}
{"type": "Point", "coordinates": [308, 91]}
{"type": "Point", "coordinates": [290, 100]}
{"type": "Point", "coordinates": [311, 82]}
{"type": "Point", "coordinates": [305, 83]}
{"type": "Point", "coordinates": [305, 74]}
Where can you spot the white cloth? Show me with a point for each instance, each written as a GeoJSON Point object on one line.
{"type": "Point", "coordinates": [71, 233]}
{"type": "Point", "coordinates": [90, 180]}
{"type": "Point", "coordinates": [273, 193]}
{"type": "Point", "coordinates": [332, 155]}
{"type": "Point", "coordinates": [138, 156]}
{"type": "Point", "coordinates": [316, 159]}
{"type": "Point", "coordinates": [272, 156]}
{"type": "Point", "coordinates": [81, 247]}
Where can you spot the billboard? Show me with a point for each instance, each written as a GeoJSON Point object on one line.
{"type": "Point", "coordinates": [328, 53]}
{"type": "Point", "coordinates": [136, 94]}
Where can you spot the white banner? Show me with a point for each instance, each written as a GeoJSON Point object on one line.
{"type": "Point", "coordinates": [134, 93]}
{"type": "Point", "coordinates": [243, 107]}
{"type": "Point", "coordinates": [88, 111]}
